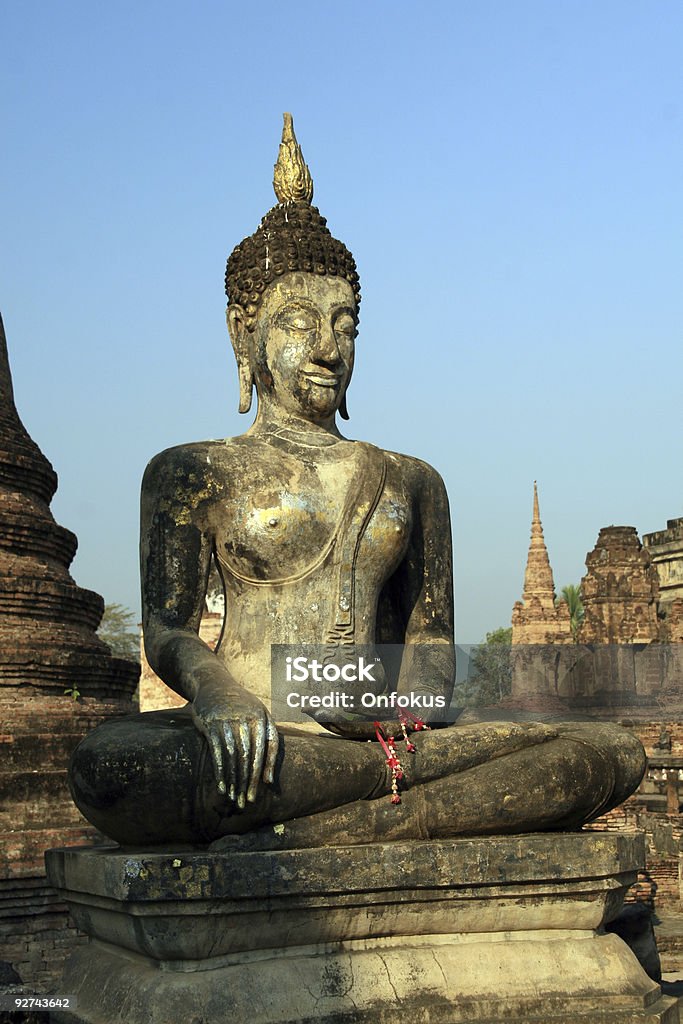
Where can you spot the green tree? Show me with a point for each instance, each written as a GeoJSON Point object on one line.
{"type": "Point", "coordinates": [490, 675]}
{"type": "Point", "coordinates": [119, 631]}
{"type": "Point", "coordinates": [571, 595]}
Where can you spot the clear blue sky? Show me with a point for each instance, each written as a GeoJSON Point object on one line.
{"type": "Point", "coordinates": [508, 175]}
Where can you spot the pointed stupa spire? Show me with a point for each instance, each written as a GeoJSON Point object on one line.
{"type": "Point", "coordinates": [23, 466]}
{"type": "Point", "coordinates": [538, 577]}
{"type": "Point", "coordinates": [536, 515]}
{"type": "Point", "coordinates": [6, 389]}
{"type": "Point", "coordinates": [536, 619]}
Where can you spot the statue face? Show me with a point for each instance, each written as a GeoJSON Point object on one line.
{"type": "Point", "coordinates": [304, 340]}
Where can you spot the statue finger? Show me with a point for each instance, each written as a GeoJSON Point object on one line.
{"type": "Point", "coordinates": [244, 750]}
{"type": "Point", "coordinates": [231, 761]}
{"type": "Point", "coordinates": [258, 746]}
{"type": "Point", "coordinates": [216, 751]}
{"type": "Point", "coordinates": [273, 745]}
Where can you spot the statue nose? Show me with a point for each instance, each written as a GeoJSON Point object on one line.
{"type": "Point", "coordinates": [327, 349]}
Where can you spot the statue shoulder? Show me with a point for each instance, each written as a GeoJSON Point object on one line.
{"type": "Point", "coordinates": [416, 472]}
{"type": "Point", "coordinates": [195, 473]}
{"type": "Point", "coordinates": [174, 464]}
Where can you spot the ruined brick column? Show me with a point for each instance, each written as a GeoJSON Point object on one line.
{"type": "Point", "coordinates": [620, 590]}
{"type": "Point", "coordinates": [47, 645]}
{"type": "Point", "coordinates": [620, 594]}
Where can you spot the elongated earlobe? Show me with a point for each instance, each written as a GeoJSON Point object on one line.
{"type": "Point", "coordinates": [240, 343]}
{"type": "Point", "coordinates": [246, 386]}
{"type": "Point", "coordinates": [343, 407]}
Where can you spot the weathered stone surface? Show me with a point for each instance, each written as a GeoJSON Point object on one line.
{"type": "Point", "coordinates": [495, 777]}
{"type": "Point", "coordinates": [548, 977]}
{"type": "Point", "coordinates": [330, 893]}
{"type": "Point", "coordinates": [454, 931]}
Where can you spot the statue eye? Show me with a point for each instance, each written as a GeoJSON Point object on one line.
{"type": "Point", "coordinates": [346, 326]}
{"type": "Point", "coordinates": [297, 320]}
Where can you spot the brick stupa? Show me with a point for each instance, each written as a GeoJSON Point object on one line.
{"type": "Point", "coordinates": [539, 625]}
{"type": "Point", "coordinates": [47, 645]}
{"type": "Point", "coordinates": [537, 619]}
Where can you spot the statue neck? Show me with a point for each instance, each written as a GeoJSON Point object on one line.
{"type": "Point", "coordinates": [272, 422]}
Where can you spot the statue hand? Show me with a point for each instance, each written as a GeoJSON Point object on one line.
{"type": "Point", "coordinates": [242, 739]}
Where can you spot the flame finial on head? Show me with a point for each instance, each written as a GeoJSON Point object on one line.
{"type": "Point", "coordinates": [292, 237]}
{"type": "Point", "coordinates": [292, 179]}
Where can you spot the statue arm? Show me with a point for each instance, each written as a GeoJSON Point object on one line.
{"type": "Point", "coordinates": [175, 555]}
{"type": "Point", "coordinates": [425, 590]}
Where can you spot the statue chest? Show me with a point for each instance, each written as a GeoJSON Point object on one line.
{"type": "Point", "coordinates": [278, 534]}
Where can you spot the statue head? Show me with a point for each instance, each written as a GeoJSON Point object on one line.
{"type": "Point", "coordinates": [292, 240]}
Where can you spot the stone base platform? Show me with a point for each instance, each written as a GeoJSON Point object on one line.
{"type": "Point", "coordinates": [443, 932]}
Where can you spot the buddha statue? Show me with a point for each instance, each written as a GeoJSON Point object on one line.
{"type": "Point", "coordinates": [319, 540]}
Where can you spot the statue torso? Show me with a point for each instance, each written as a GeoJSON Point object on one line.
{"type": "Point", "coordinates": [285, 511]}
{"type": "Point", "coordinates": [305, 540]}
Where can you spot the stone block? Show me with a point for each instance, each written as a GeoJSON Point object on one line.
{"type": "Point", "coordinates": [436, 932]}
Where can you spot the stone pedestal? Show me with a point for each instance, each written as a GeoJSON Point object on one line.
{"type": "Point", "coordinates": [443, 932]}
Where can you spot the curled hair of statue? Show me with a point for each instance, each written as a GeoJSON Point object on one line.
{"type": "Point", "coordinates": [293, 236]}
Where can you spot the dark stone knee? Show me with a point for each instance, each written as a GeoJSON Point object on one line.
{"type": "Point", "coordinates": [616, 754]}
{"type": "Point", "coordinates": [134, 778]}
{"type": "Point", "coordinates": [630, 762]}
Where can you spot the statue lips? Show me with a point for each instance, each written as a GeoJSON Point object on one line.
{"type": "Point", "coordinates": [322, 377]}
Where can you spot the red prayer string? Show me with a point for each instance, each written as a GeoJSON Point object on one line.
{"type": "Point", "coordinates": [408, 721]}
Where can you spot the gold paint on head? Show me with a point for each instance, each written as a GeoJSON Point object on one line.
{"type": "Point", "coordinates": [292, 179]}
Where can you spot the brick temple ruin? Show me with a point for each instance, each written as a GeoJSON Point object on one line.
{"type": "Point", "coordinates": [624, 654]}
{"type": "Point", "coordinates": [625, 663]}
{"type": "Point", "coordinates": [665, 548]}
{"type": "Point", "coordinates": [48, 645]}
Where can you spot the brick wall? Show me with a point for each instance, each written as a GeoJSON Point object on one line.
{"type": "Point", "coordinates": [36, 934]}
{"type": "Point", "coordinates": [660, 883]}
{"type": "Point", "coordinates": [38, 732]}
{"type": "Point", "coordinates": [649, 733]}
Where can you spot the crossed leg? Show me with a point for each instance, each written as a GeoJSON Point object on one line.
{"type": "Point", "coordinates": [148, 780]}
